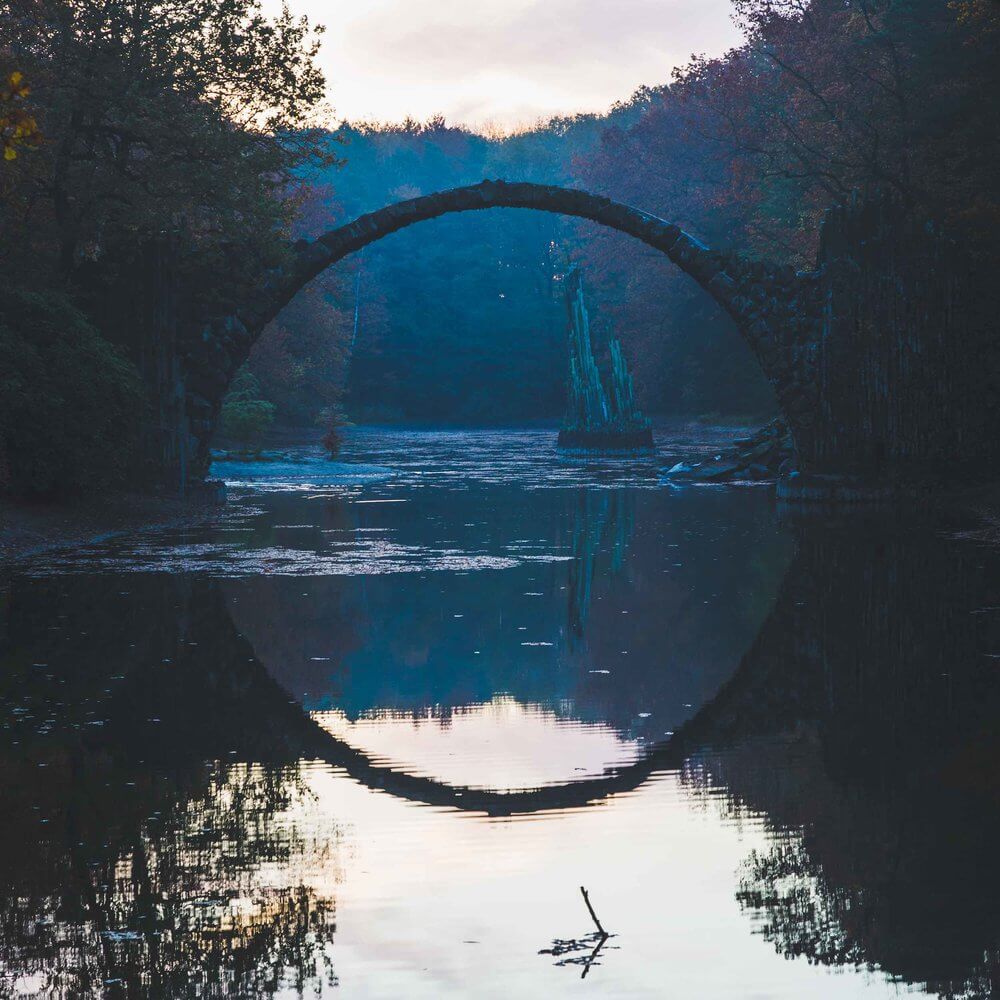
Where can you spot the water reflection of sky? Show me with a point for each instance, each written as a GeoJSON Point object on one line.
{"type": "Point", "coordinates": [437, 904]}
{"type": "Point", "coordinates": [501, 745]}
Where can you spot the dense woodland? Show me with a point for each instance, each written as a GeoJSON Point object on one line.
{"type": "Point", "coordinates": [202, 126]}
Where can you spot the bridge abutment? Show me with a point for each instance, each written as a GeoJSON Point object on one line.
{"type": "Point", "coordinates": [907, 359]}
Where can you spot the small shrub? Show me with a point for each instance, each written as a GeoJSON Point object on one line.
{"type": "Point", "coordinates": [245, 416]}
{"type": "Point", "coordinates": [332, 420]}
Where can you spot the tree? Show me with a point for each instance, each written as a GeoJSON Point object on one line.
{"type": "Point", "coordinates": [167, 126]}
{"type": "Point", "coordinates": [839, 96]}
{"type": "Point", "coordinates": [825, 99]}
{"type": "Point", "coordinates": [185, 117]}
{"type": "Point", "coordinates": [70, 403]}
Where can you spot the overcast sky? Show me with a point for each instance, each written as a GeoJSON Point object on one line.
{"type": "Point", "coordinates": [508, 62]}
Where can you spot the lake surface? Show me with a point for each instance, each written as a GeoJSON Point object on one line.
{"type": "Point", "coordinates": [367, 729]}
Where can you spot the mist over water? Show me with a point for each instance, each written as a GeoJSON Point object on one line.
{"type": "Point", "coordinates": [367, 729]}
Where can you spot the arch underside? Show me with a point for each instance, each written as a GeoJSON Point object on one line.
{"type": "Point", "coordinates": [764, 300]}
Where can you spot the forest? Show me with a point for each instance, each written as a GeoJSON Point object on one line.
{"type": "Point", "coordinates": [131, 126]}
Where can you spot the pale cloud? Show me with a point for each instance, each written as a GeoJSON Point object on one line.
{"type": "Point", "coordinates": [505, 61]}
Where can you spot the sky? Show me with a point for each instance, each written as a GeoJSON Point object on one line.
{"type": "Point", "coordinates": [504, 63]}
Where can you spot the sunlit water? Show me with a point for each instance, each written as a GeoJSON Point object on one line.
{"type": "Point", "coordinates": [367, 729]}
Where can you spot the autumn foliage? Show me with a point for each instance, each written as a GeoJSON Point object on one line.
{"type": "Point", "coordinates": [18, 129]}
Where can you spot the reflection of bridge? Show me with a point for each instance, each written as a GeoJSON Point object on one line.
{"type": "Point", "coordinates": [212, 698]}
{"type": "Point", "coordinates": [429, 791]}
{"type": "Point", "coordinates": [302, 737]}
{"type": "Point", "coordinates": [280, 730]}
{"type": "Point", "coordinates": [214, 695]}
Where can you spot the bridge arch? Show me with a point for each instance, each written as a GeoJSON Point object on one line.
{"type": "Point", "coordinates": [772, 306]}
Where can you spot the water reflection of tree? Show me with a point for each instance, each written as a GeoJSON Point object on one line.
{"type": "Point", "coordinates": [861, 727]}
{"type": "Point", "coordinates": [602, 529]}
{"type": "Point", "coordinates": [156, 874]}
{"type": "Point", "coordinates": [187, 908]}
{"type": "Point", "coordinates": [940, 931]}
{"type": "Point", "coordinates": [798, 909]}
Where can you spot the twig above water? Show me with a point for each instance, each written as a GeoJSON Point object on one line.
{"type": "Point", "coordinates": [593, 915]}
{"type": "Point", "coordinates": [595, 942]}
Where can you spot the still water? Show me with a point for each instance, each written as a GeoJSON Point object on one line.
{"type": "Point", "coordinates": [367, 729]}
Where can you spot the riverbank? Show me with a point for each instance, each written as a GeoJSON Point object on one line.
{"type": "Point", "coordinates": [27, 529]}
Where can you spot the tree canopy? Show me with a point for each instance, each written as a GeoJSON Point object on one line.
{"type": "Point", "coordinates": [157, 115]}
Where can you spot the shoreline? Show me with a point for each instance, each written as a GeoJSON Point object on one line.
{"type": "Point", "coordinates": [27, 529]}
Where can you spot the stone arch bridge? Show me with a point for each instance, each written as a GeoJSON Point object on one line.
{"type": "Point", "coordinates": [868, 353]}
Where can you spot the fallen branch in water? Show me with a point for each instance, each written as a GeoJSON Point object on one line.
{"type": "Point", "coordinates": [594, 941]}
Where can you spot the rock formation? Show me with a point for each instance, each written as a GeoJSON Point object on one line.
{"type": "Point", "coordinates": [597, 417]}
